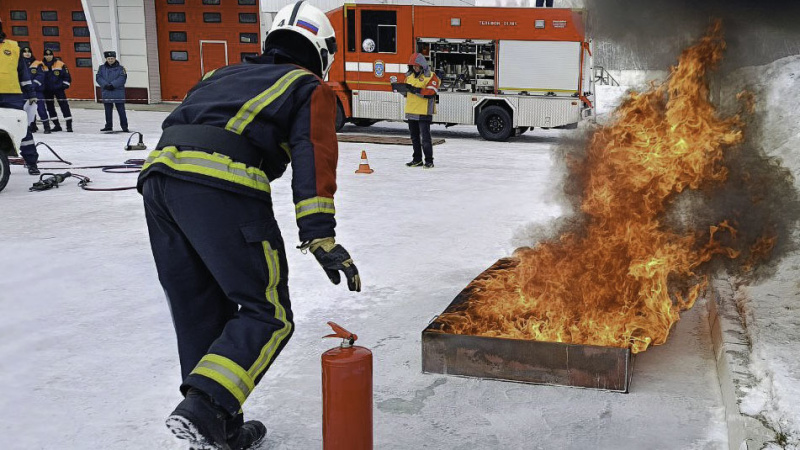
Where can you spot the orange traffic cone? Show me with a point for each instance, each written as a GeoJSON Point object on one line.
{"type": "Point", "coordinates": [364, 166]}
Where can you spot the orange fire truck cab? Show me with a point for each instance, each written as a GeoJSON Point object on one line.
{"type": "Point", "coordinates": [503, 69]}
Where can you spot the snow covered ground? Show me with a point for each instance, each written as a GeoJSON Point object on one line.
{"type": "Point", "coordinates": [90, 361]}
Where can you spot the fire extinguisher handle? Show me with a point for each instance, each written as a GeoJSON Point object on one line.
{"type": "Point", "coordinates": [339, 332]}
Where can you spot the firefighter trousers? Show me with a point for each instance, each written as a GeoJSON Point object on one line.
{"type": "Point", "coordinates": [421, 139]}
{"type": "Point", "coordinates": [221, 261]}
{"type": "Point", "coordinates": [41, 106]}
{"type": "Point", "coordinates": [51, 97]}
{"type": "Point", "coordinates": [123, 118]}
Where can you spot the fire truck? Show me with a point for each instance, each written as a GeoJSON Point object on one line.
{"type": "Point", "coordinates": [505, 70]}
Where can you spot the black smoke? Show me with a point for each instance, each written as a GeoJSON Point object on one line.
{"type": "Point", "coordinates": [636, 34]}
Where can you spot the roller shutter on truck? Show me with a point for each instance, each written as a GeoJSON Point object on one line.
{"type": "Point", "coordinates": [539, 66]}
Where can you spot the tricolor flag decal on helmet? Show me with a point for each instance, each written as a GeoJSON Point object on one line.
{"type": "Point", "coordinates": [308, 26]}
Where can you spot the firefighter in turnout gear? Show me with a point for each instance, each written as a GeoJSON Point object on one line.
{"type": "Point", "coordinates": [422, 87]}
{"type": "Point", "coordinates": [56, 80]}
{"type": "Point", "coordinates": [15, 89]}
{"type": "Point", "coordinates": [218, 250]}
{"type": "Point", "coordinates": [37, 77]}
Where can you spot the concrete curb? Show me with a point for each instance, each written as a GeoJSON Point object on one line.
{"type": "Point", "coordinates": [732, 354]}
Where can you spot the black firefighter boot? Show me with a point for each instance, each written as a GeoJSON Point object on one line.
{"type": "Point", "coordinates": [46, 125]}
{"type": "Point", "coordinates": [69, 125]}
{"type": "Point", "coordinates": [201, 422]}
{"type": "Point", "coordinates": [56, 126]}
{"type": "Point", "coordinates": [33, 127]}
{"type": "Point", "coordinates": [244, 435]}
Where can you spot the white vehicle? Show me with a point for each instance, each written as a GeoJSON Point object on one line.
{"type": "Point", "coordinates": [13, 128]}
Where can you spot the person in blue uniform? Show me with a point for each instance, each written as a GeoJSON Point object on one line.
{"type": "Point", "coordinates": [218, 250]}
{"type": "Point", "coordinates": [15, 89]}
{"type": "Point", "coordinates": [56, 80]}
{"type": "Point", "coordinates": [111, 78]}
{"type": "Point", "coordinates": [37, 77]}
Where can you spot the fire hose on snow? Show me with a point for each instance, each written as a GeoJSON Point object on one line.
{"type": "Point", "coordinates": [51, 180]}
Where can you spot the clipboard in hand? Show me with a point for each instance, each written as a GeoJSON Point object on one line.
{"type": "Point", "coordinates": [401, 88]}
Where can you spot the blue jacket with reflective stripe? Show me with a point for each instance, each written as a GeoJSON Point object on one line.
{"type": "Point", "coordinates": [56, 75]}
{"type": "Point", "coordinates": [286, 113]}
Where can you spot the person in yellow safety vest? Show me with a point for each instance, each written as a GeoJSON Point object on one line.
{"type": "Point", "coordinates": [15, 89]}
{"type": "Point", "coordinates": [422, 87]}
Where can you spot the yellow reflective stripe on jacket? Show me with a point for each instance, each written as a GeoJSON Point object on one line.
{"type": "Point", "coordinates": [268, 351]}
{"type": "Point", "coordinates": [250, 110]}
{"type": "Point", "coordinates": [209, 73]}
{"type": "Point", "coordinates": [214, 165]}
{"type": "Point", "coordinates": [314, 205]}
{"type": "Point", "coordinates": [228, 374]}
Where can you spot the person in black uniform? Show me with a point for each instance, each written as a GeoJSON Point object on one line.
{"type": "Point", "coordinates": [37, 77]}
{"type": "Point", "coordinates": [56, 80]}
{"type": "Point", "coordinates": [218, 251]}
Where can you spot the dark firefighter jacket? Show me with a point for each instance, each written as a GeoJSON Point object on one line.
{"type": "Point", "coordinates": [37, 74]}
{"type": "Point", "coordinates": [56, 76]}
{"type": "Point", "coordinates": [240, 127]}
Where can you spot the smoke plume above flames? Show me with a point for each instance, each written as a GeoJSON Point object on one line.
{"type": "Point", "coordinates": [665, 196]}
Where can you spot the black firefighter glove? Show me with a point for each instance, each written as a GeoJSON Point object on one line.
{"type": "Point", "coordinates": [109, 87]}
{"type": "Point", "coordinates": [413, 89]}
{"type": "Point", "coordinates": [333, 258]}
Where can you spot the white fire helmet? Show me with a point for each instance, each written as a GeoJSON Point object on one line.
{"type": "Point", "coordinates": [309, 22]}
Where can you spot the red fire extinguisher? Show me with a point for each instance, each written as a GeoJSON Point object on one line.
{"type": "Point", "coordinates": [346, 394]}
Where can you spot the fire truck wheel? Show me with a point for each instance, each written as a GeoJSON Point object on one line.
{"type": "Point", "coordinates": [340, 118]}
{"type": "Point", "coordinates": [4, 170]}
{"type": "Point", "coordinates": [494, 123]}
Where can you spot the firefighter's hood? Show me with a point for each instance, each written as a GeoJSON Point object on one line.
{"type": "Point", "coordinates": [419, 58]}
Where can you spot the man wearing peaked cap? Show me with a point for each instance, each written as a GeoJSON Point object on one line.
{"type": "Point", "coordinates": [111, 78]}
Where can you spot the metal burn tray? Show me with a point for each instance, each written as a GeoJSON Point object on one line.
{"type": "Point", "coordinates": [552, 363]}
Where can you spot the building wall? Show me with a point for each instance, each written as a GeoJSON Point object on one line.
{"type": "Point", "coordinates": [189, 45]}
{"type": "Point", "coordinates": [273, 6]}
{"type": "Point", "coordinates": [151, 36]}
{"type": "Point", "coordinates": [119, 25]}
{"type": "Point", "coordinates": [139, 31]}
{"type": "Point", "coordinates": [76, 57]}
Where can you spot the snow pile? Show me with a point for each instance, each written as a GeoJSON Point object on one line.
{"type": "Point", "coordinates": [771, 309]}
{"type": "Point", "coordinates": [608, 98]}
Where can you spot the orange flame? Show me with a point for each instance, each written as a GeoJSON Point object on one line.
{"type": "Point", "coordinates": [624, 278]}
